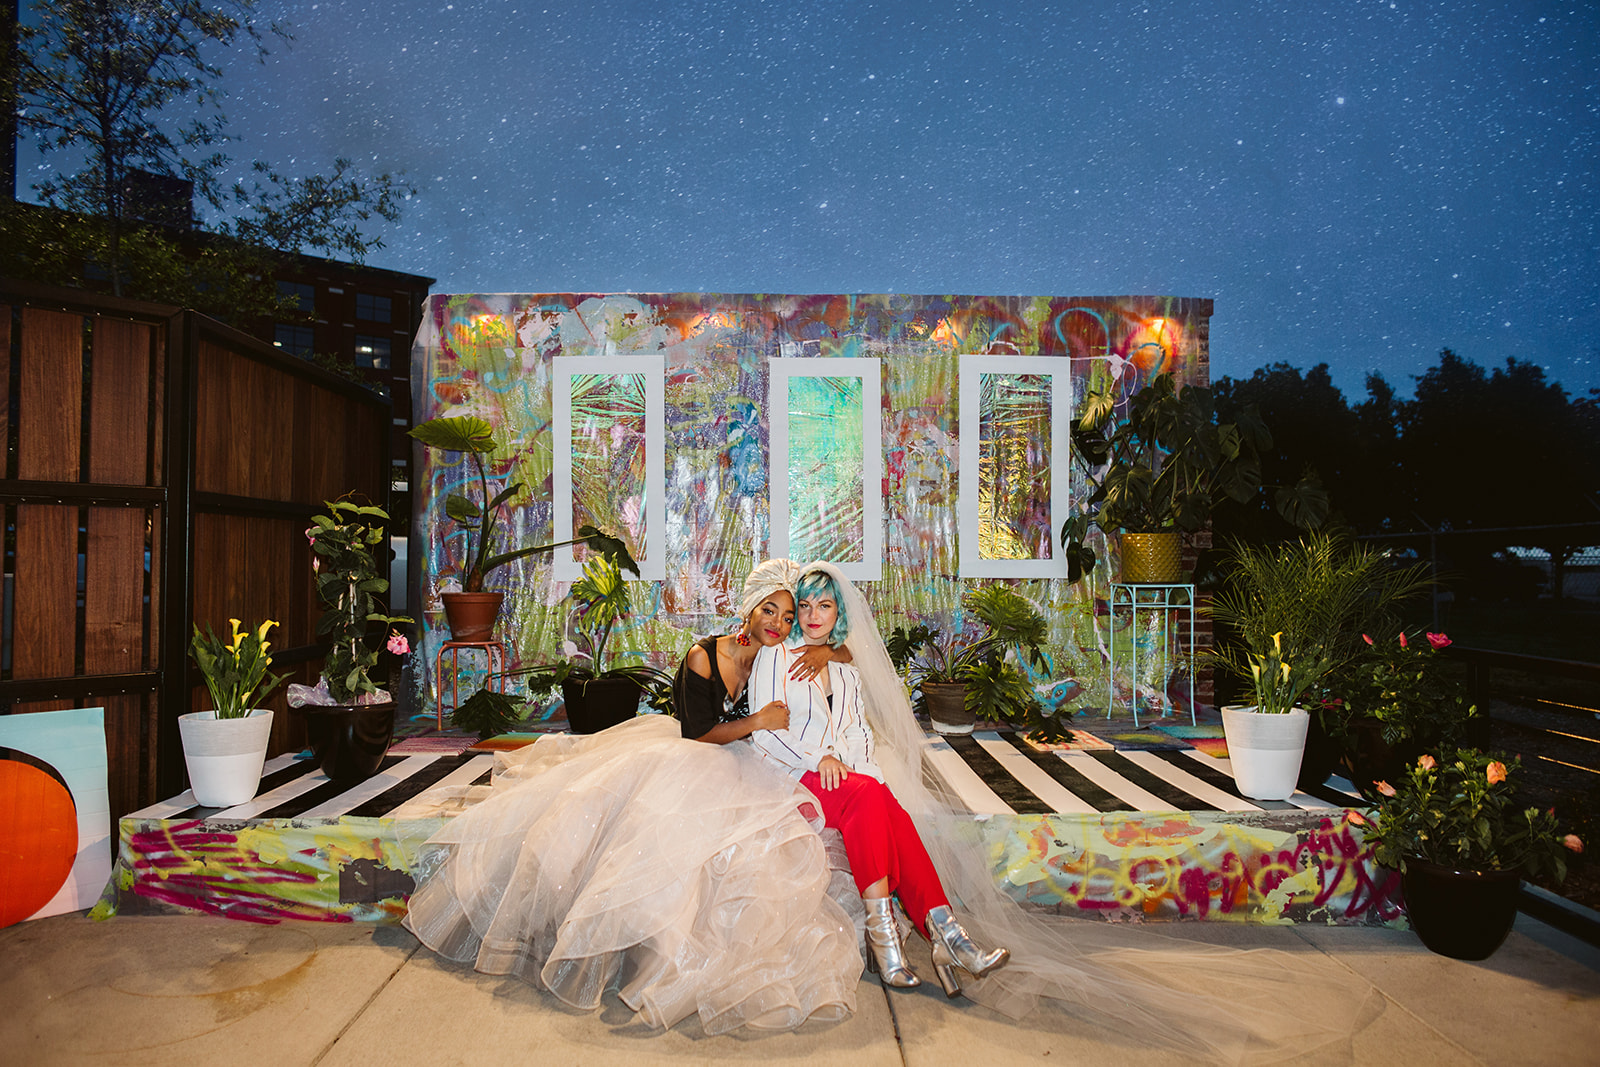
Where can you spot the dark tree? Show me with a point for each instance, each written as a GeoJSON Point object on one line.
{"type": "Point", "coordinates": [123, 94]}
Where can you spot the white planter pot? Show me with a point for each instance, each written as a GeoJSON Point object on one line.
{"type": "Point", "coordinates": [224, 756]}
{"type": "Point", "coordinates": [1265, 750]}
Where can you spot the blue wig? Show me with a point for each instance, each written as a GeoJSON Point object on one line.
{"type": "Point", "coordinates": [820, 585]}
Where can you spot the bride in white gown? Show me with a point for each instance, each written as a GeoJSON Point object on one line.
{"type": "Point", "coordinates": [683, 875]}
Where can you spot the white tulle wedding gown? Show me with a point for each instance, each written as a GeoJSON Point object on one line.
{"type": "Point", "coordinates": [682, 874]}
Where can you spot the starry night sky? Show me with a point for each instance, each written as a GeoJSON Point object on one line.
{"type": "Point", "coordinates": [1354, 182]}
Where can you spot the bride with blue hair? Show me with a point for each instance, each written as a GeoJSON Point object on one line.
{"type": "Point", "coordinates": [692, 878]}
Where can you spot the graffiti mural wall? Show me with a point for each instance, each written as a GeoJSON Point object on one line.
{"type": "Point", "coordinates": [654, 415]}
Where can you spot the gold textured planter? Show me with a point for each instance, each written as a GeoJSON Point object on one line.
{"type": "Point", "coordinates": [1152, 558]}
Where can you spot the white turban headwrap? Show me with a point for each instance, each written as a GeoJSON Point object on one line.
{"type": "Point", "coordinates": [767, 578]}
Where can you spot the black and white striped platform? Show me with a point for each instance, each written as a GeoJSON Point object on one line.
{"type": "Point", "coordinates": [1098, 830]}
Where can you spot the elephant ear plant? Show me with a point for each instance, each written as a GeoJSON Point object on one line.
{"type": "Point", "coordinates": [474, 438]}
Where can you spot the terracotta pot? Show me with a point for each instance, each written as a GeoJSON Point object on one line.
{"type": "Point", "coordinates": [1152, 558]}
{"type": "Point", "coordinates": [947, 707]}
{"type": "Point", "coordinates": [348, 741]}
{"type": "Point", "coordinates": [1462, 914]}
{"type": "Point", "coordinates": [600, 703]}
{"type": "Point", "coordinates": [471, 615]}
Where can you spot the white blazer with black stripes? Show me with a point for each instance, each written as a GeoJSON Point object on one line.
{"type": "Point", "coordinates": [815, 730]}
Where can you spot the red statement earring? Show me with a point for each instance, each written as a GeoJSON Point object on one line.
{"type": "Point", "coordinates": [743, 639]}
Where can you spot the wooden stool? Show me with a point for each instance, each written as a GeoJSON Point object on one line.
{"type": "Point", "coordinates": [494, 650]}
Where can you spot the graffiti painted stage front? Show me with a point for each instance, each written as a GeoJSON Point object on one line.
{"type": "Point", "coordinates": [307, 849]}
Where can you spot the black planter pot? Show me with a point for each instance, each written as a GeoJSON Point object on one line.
{"type": "Point", "coordinates": [1321, 756]}
{"type": "Point", "coordinates": [947, 707]}
{"type": "Point", "coordinates": [1465, 915]}
{"type": "Point", "coordinates": [349, 740]}
{"type": "Point", "coordinates": [600, 703]}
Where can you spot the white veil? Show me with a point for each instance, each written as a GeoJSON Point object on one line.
{"type": "Point", "coordinates": [1257, 1005]}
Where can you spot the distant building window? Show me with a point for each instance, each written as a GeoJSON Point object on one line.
{"type": "Point", "coordinates": [372, 308]}
{"type": "Point", "coordinates": [372, 351]}
{"type": "Point", "coordinates": [304, 296]}
{"type": "Point", "coordinates": [295, 340]}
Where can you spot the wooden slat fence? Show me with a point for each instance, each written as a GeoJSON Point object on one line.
{"type": "Point", "coordinates": [160, 469]}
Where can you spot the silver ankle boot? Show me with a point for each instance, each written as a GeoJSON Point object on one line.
{"type": "Point", "coordinates": [952, 948]}
{"type": "Point", "coordinates": [886, 955]}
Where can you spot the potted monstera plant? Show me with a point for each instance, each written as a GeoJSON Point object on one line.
{"type": "Point", "coordinates": [599, 692]}
{"type": "Point", "coordinates": [961, 676]}
{"type": "Point", "coordinates": [1157, 473]}
{"type": "Point", "coordinates": [471, 612]}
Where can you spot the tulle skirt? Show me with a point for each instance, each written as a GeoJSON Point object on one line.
{"type": "Point", "coordinates": [681, 874]}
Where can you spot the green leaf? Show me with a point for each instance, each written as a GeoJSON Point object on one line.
{"type": "Point", "coordinates": [458, 433]}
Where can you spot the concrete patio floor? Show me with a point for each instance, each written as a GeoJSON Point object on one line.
{"type": "Point", "coordinates": [187, 989]}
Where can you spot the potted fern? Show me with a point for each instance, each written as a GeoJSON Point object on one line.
{"type": "Point", "coordinates": [961, 676]}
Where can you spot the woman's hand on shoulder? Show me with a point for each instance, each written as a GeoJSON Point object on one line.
{"type": "Point", "coordinates": [812, 660]}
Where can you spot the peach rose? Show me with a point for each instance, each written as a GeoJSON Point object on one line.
{"type": "Point", "coordinates": [1385, 788]}
{"type": "Point", "coordinates": [1572, 842]}
{"type": "Point", "coordinates": [1497, 772]}
{"type": "Point", "coordinates": [1426, 762]}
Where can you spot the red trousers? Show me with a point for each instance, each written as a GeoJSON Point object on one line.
{"type": "Point", "coordinates": [881, 841]}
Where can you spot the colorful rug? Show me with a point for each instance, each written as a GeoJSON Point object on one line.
{"type": "Point", "coordinates": [505, 742]}
{"type": "Point", "coordinates": [1205, 737]}
{"type": "Point", "coordinates": [1082, 741]}
{"type": "Point", "coordinates": [427, 744]}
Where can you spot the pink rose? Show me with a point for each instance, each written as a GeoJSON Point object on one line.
{"type": "Point", "coordinates": [1426, 762]}
{"type": "Point", "coordinates": [1366, 638]}
{"type": "Point", "coordinates": [398, 643]}
{"type": "Point", "coordinates": [1572, 842]}
{"type": "Point", "coordinates": [1385, 788]}
{"type": "Point", "coordinates": [1439, 641]}
{"type": "Point", "coordinates": [1497, 772]}
{"type": "Point", "coordinates": [1403, 642]}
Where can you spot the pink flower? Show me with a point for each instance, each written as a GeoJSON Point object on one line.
{"type": "Point", "coordinates": [1385, 788]}
{"type": "Point", "coordinates": [1572, 842]}
{"type": "Point", "coordinates": [1366, 638]}
{"type": "Point", "coordinates": [1497, 772]}
{"type": "Point", "coordinates": [1403, 642]}
{"type": "Point", "coordinates": [1439, 641]}
{"type": "Point", "coordinates": [398, 643]}
{"type": "Point", "coordinates": [1426, 762]}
